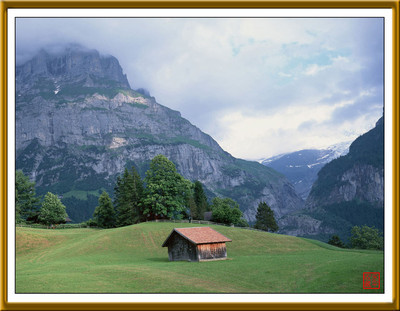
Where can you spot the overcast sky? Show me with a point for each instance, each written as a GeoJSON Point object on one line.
{"type": "Point", "coordinates": [259, 86]}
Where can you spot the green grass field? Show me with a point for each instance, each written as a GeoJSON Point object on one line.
{"type": "Point", "coordinates": [131, 260]}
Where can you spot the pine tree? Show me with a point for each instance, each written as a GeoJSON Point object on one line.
{"type": "Point", "coordinates": [104, 214]}
{"type": "Point", "coordinates": [128, 195]}
{"type": "Point", "coordinates": [26, 201]}
{"type": "Point", "coordinates": [200, 201]}
{"type": "Point", "coordinates": [336, 241]}
{"type": "Point", "coordinates": [265, 219]}
{"type": "Point", "coordinates": [192, 207]}
{"type": "Point", "coordinates": [167, 192]}
{"type": "Point", "coordinates": [52, 211]}
{"type": "Point", "coordinates": [18, 218]}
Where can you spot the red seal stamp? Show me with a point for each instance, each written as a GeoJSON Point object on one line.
{"type": "Point", "coordinates": [371, 280]}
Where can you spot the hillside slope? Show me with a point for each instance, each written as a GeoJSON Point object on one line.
{"type": "Point", "coordinates": [131, 260]}
{"type": "Point", "coordinates": [79, 124]}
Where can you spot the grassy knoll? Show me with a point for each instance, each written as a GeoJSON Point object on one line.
{"type": "Point", "coordinates": [131, 260]}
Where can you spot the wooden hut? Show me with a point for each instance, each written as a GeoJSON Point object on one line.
{"type": "Point", "coordinates": [196, 244]}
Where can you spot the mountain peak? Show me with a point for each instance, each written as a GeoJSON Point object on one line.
{"type": "Point", "coordinates": [73, 63]}
{"type": "Point", "coordinates": [301, 167]}
{"type": "Point", "coordinates": [79, 124]}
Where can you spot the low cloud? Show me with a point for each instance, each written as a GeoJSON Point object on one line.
{"type": "Point", "coordinates": [258, 86]}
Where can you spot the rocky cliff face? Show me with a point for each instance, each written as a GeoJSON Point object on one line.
{"type": "Point", "coordinates": [79, 124]}
{"type": "Point", "coordinates": [361, 182]}
{"type": "Point", "coordinates": [348, 192]}
{"type": "Point", "coordinates": [74, 65]}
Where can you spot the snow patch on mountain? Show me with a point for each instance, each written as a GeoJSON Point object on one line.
{"type": "Point", "coordinates": [302, 167]}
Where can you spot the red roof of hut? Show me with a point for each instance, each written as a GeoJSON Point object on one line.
{"type": "Point", "coordinates": [199, 235]}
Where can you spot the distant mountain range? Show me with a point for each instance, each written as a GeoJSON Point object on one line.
{"type": "Point", "coordinates": [79, 124]}
{"type": "Point", "coordinates": [349, 191]}
{"type": "Point", "coordinates": [302, 167]}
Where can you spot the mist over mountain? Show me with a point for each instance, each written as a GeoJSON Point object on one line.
{"type": "Point", "coordinates": [79, 124]}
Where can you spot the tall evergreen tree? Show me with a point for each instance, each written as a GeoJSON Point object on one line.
{"type": "Point", "coordinates": [200, 201]}
{"type": "Point", "coordinates": [192, 207]}
{"type": "Point", "coordinates": [52, 211]}
{"type": "Point", "coordinates": [104, 214]}
{"type": "Point", "coordinates": [128, 195]}
{"type": "Point", "coordinates": [26, 202]}
{"type": "Point", "coordinates": [336, 241]}
{"type": "Point", "coordinates": [167, 192]}
{"type": "Point", "coordinates": [18, 218]}
{"type": "Point", "coordinates": [265, 219]}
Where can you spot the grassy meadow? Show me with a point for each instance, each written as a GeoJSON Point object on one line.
{"type": "Point", "coordinates": [131, 260]}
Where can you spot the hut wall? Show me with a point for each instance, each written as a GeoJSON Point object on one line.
{"type": "Point", "coordinates": [211, 251]}
{"type": "Point", "coordinates": [181, 249]}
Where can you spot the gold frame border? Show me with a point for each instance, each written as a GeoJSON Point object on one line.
{"type": "Point", "coordinates": [5, 4]}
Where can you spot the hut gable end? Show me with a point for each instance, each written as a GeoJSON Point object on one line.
{"type": "Point", "coordinates": [196, 244]}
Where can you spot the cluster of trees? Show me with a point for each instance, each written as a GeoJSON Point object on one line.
{"type": "Point", "coordinates": [29, 208]}
{"type": "Point", "coordinates": [363, 237]}
{"type": "Point", "coordinates": [162, 194]}
{"type": "Point", "coordinates": [226, 211]}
